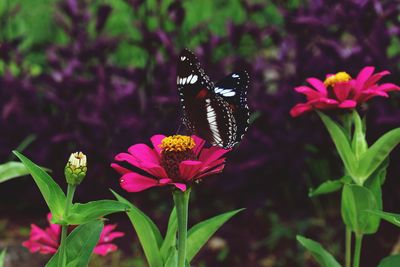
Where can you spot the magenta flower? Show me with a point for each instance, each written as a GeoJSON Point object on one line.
{"type": "Point", "coordinates": [47, 241]}
{"type": "Point", "coordinates": [340, 91]}
{"type": "Point", "coordinates": [175, 160]}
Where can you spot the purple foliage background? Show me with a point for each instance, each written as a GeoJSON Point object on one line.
{"type": "Point", "coordinates": [85, 98]}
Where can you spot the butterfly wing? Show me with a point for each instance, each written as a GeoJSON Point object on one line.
{"type": "Point", "coordinates": [206, 113]}
{"type": "Point", "coordinates": [233, 89]}
{"type": "Point", "coordinates": [191, 81]}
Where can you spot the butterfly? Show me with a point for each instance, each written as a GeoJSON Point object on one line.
{"type": "Point", "coordinates": [218, 113]}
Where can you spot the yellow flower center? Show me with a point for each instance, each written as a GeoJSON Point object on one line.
{"type": "Point", "coordinates": [174, 150]}
{"type": "Point", "coordinates": [339, 77]}
{"type": "Point", "coordinates": [177, 143]}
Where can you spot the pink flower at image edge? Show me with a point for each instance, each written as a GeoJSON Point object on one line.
{"type": "Point", "coordinates": [208, 161]}
{"type": "Point", "coordinates": [47, 241]}
{"type": "Point", "coordinates": [335, 93]}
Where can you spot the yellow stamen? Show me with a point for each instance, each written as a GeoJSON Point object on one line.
{"type": "Point", "coordinates": [177, 143]}
{"type": "Point", "coordinates": [339, 77]}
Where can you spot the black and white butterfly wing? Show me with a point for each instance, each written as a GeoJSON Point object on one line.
{"type": "Point", "coordinates": [207, 113]}
{"type": "Point", "coordinates": [191, 80]}
{"type": "Point", "coordinates": [233, 89]}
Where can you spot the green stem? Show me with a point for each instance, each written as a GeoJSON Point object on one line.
{"type": "Point", "coordinates": [357, 250]}
{"type": "Point", "coordinates": [348, 247]}
{"type": "Point", "coordinates": [62, 259]}
{"type": "Point", "coordinates": [181, 200]}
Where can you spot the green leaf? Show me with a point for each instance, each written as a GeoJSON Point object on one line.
{"type": "Point", "coordinates": [25, 143]}
{"type": "Point", "coordinates": [83, 213]}
{"type": "Point", "coordinates": [148, 233]}
{"type": "Point", "coordinates": [391, 261]}
{"type": "Point", "coordinates": [355, 201]}
{"type": "Point", "coordinates": [172, 259]}
{"type": "Point", "coordinates": [12, 169]}
{"type": "Point", "coordinates": [170, 236]}
{"type": "Point", "coordinates": [375, 182]}
{"type": "Point", "coordinates": [323, 257]}
{"type": "Point", "coordinates": [2, 257]}
{"type": "Point", "coordinates": [199, 234]}
{"type": "Point", "coordinates": [51, 191]}
{"type": "Point", "coordinates": [387, 216]}
{"type": "Point", "coordinates": [341, 142]}
{"type": "Point", "coordinates": [377, 153]}
{"type": "Point", "coordinates": [359, 143]}
{"type": "Point", "coordinates": [80, 244]}
{"type": "Point", "coordinates": [326, 188]}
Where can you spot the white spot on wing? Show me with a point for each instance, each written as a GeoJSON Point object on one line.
{"type": "Point", "coordinates": [229, 94]}
{"type": "Point", "coordinates": [235, 75]}
{"type": "Point", "coordinates": [211, 115]}
{"type": "Point", "coordinates": [218, 90]}
{"type": "Point", "coordinates": [194, 79]}
{"type": "Point", "coordinates": [183, 58]}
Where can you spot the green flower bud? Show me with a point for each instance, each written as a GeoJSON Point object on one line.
{"type": "Point", "coordinates": [76, 168]}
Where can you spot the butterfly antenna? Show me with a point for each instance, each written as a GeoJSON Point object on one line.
{"type": "Point", "coordinates": [179, 128]}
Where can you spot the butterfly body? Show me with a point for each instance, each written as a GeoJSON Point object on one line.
{"type": "Point", "coordinates": [218, 113]}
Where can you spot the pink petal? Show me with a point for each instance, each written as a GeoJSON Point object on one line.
{"type": "Point", "coordinates": [37, 247]}
{"type": "Point", "coordinates": [310, 93]}
{"type": "Point", "coordinates": [113, 235]}
{"type": "Point", "coordinates": [323, 100]}
{"type": "Point", "coordinates": [212, 164]}
{"type": "Point", "coordinates": [211, 172]}
{"type": "Point", "coordinates": [189, 169]}
{"type": "Point", "coordinates": [375, 78]}
{"type": "Point", "coordinates": [318, 84]}
{"type": "Point", "coordinates": [55, 228]}
{"type": "Point", "coordinates": [324, 103]}
{"type": "Point", "coordinates": [299, 109]}
{"type": "Point", "coordinates": [104, 249]}
{"type": "Point", "coordinates": [144, 153]}
{"type": "Point", "coordinates": [128, 158]}
{"type": "Point", "coordinates": [107, 235]}
{"type": "Point", "coordinates": [106, 230]}
{"type": "Point", "coordinates": [148, 166]}
{"type": "Point", "coordinates": [387, 87]}
{"type": "Point", "coordinates": [165, 181]}
{"type": "Point", "coordinates": [208, 155]}
{"type": "Point", "coordinates": [156, 141]}
{"type": "Point", "coordinates": [37, 234]}
{"type": "Point", "coordinates": [134, 182]}
{"type": "Point", "coordinates": [119, 169]}
{"type": "Point", "coordinates": [342, 90]}
{"type": "Point", "coordinates": [368, 94]}
{"type": "Point", "coordinates": [153, 169]}
{"type": "Point", "coordinates": [348, 104]}
{"type": "Point", "coordinates": [363, 76]}
{"type": "Point", "coordinates": [31, 245]}
{"type": "Point", "coordinates": [199, 144]}
{"type": "Point", "coordinates": [180, 186]}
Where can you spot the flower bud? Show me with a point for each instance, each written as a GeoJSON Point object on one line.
{"type": "Point", "coordinates": [76, 168]}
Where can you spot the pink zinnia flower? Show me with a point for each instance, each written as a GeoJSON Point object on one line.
{"type": "Point", "coordinates": [340, 91]}
{"type": "Point", "coordinates": [175, 160]}
{"type": "Point", "coordinates": [47, 241]}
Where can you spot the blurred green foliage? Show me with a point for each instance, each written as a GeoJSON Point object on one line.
{"type": "Point", "coordinates": [34, 23]}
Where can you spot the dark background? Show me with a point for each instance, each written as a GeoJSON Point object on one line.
{"type": "Point", "coordinates": [99, 76]}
